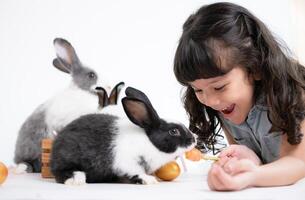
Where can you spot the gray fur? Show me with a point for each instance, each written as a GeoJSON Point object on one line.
{"type": "Point", "coordinates": [84, 83]}
{"type": "Point", "coordinates": [144, 164]}
{"type": "Point", "coordinates": [28, 142]}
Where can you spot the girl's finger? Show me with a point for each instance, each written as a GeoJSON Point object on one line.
{"type": "Point", "coordinates": [224, 180]}
{"type": "Point", "coordinates": [227, 152]}
{"type": "Point", "coordinates": [240, 166]}
{"type": "Point", "coordinates": [222, 161]}
{"type": "Point", "coordinates": [228, 165]}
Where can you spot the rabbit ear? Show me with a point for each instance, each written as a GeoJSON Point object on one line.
{"type": "Point", "coordinates": [102, 97]}
{"type": "Point", "coordinates": [140, 113]}
{"type": "Point", "coordinates": [65, 52]}
{"type": "Point", "coordinates": [59, 65]}
{"type": "Point", "coordinates": [115, 92]}
{"type": "Point", "coordinates": [137, 94]}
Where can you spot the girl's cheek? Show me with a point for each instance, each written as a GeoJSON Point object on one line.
{"type": "Point", "coordinates": [200, 98]}
{"type": "Point", "coordinates": [226, 95]}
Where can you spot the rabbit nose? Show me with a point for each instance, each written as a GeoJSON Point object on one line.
{"type": "Point", "coordinates": [190, 141]}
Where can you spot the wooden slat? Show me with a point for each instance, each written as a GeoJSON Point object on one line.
{"type": "Point", "coordinates": [46, 146]}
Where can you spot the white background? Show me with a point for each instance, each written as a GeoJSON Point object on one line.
{"type": "Point", "coordinates": [133, 41]}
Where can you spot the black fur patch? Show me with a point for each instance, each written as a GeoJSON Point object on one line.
{"type": "Point", "coordinates": [85, 145]}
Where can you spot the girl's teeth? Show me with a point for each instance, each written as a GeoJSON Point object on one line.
{"type": "Point", "coordinates": [228, 110]}
{"type": "Point", "coordinates": [223, 110]}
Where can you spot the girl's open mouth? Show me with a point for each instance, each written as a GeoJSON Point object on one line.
{"type": "Point", "coordinates": [228, 110]}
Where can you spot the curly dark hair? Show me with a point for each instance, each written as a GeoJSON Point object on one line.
{"type": "Point", "coordinates": [226, 31]}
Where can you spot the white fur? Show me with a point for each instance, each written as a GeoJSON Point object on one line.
{"type": "Point", "coordinates": [132, 142]}
{"type": "Point", "coordinates": [116, 110]}
{"type": "Point", "coordinates": [78, 178]}
{"type": "Point", "coordinates": [20, 168]}
{"type": "Point", "coordinates": [69, 105]}
{"type": "Point", "coordinates": [148, 179]}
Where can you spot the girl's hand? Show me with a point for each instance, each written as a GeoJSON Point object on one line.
{"type": "Point", "coordinates": [237, 152]}
{"type": "Point", "coordinates": [238, 175]}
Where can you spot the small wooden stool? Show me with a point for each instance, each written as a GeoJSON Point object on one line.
{"type": "Point", "coordinates": [46, 145]}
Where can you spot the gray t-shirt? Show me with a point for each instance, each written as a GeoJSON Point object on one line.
{"type": "Point", "coordinates": [254, 133]}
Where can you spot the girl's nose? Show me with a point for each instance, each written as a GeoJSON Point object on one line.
{"type": "Point", "coordinates": [211, 100]}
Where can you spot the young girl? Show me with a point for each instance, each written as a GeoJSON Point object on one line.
{"type": "Point", "coordinates": [239, 77]}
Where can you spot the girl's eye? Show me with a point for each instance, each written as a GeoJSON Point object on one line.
{"type": "Point", "coordinates": [219, 88]}
{"type": "Point", "coordinates": [197, 91]}
{"type": "Point", "coordinates": [174, 132]}
{"type": "Point", "coordinates": [91, 75]}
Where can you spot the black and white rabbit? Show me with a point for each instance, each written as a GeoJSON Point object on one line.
{"type": "Point", "coordinates": [108, 148]}
{"type": "Point", "coordinates": [80, 98]}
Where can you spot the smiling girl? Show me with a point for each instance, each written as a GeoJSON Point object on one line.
{"type": "Point", "coordinates": [237, 75]}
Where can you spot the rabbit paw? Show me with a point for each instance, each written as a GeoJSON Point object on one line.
{"type": "Point", "coordinates": [78, 178]}
{"type": "Point", "coordinates": [21, 168]}
{"type": "Point", "coordinates": [148, 179]}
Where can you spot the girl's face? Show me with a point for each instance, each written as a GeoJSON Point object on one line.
{"type": "Point", "coordinates": [230, 94]}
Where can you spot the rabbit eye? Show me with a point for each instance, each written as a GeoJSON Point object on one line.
{"type": "Point", "coordinates": [91, 75]}
{"type": "Point", "coordinates": [174, 132]}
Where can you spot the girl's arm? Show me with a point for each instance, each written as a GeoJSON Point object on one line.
{"type": "Point", "coordinates": [237, 174]}
{"type": "Point", "coordinates": [288, 169]}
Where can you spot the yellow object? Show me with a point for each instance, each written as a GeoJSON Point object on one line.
{"type": "Point", "coordinates": [196, 155]}
{"type": "Point", "coordinates": [193, 155]}
{"type": "Point", "coordinates": [168, 172]}
{"type": "Point", "coordinates": [214, 158]}
{"type": "Point", "coordinates": [3, 173]}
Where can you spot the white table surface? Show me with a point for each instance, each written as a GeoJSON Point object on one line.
{"type": "Point", "coordinates": [189, 185]}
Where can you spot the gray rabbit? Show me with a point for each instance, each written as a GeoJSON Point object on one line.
{"type": "Point", "coordinates": [84, 95]}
